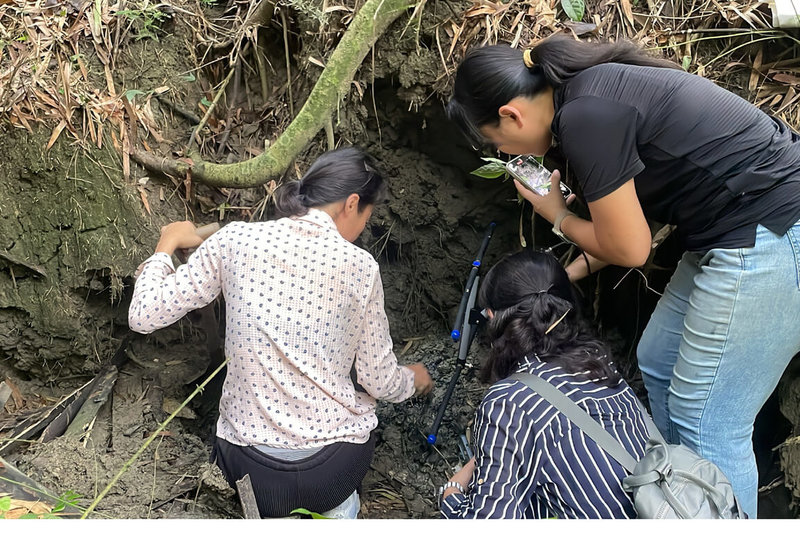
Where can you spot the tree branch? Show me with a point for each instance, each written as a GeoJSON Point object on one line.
{"type": "Point", "coordinates": [371, 21]}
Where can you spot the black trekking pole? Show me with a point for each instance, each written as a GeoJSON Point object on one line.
{"type": "Point", "coordinates": [468, 321]}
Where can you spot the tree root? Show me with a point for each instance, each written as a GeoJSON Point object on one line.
{"type": "Point", "coordinates": [372, 20]}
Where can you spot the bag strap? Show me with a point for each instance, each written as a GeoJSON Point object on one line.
{"type": "Point", "coordinates": [579, 417]}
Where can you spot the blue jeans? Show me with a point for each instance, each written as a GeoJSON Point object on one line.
{"type": "Point", "coordinates": [718, 342]}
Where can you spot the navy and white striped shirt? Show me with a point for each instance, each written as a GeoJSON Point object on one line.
{"type": "Point", "coordinates": [533, 462]}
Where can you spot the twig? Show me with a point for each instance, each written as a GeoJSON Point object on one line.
{"type": "Point", "coordinates": [149, 441]}
{"type": "Point", "coordinates": [288, 64]}
{"type": "Point", "coordinates": [188, 115]}
{"type": "Point", "coordinates": [210, 110]}
{"type": "Point", "coordinates": [155, 470]}
{"type": "Point", "coordinates": [262, 65]}
{"type": "Point", "coordinates": [329, 134]}
{"type": "Point", "coordinates": [237, 81]}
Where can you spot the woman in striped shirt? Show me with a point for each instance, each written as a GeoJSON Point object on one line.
{"type": "Point", "coordinates": [530, 460]}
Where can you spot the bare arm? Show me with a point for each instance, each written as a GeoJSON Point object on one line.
{"type": "Point", "coordinates": [618, 232]}
{"type": "Point", "coordinates": [584, 265]}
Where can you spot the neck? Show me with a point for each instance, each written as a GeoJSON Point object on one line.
{"type": "Point", "coordinates": [545, 106]}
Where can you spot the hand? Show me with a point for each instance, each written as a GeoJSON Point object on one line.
{"type": "Point", "coordinates": [551, 204]}
{"type": "Point", "coordinates": [178, 235]}
{"type": "Point", "coordinates": [584, 265]}
{"type": "Point", "coordinates": [423, 384]}
{"type": "Point", "coordinates": [463, 476]}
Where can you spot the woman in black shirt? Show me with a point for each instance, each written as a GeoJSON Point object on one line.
{"type": "Point", "coordinates": [646, 139]}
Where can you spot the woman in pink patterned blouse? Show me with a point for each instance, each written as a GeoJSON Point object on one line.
{"type": "Point", "coordinates": [304, 308]}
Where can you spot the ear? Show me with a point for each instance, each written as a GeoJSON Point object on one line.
{"type": "Point", "coordinates": [512, 112]}
{"type": "Point", "coordinates": [351, 203]}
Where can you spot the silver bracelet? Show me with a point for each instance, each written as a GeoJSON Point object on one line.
{"type": "Point", "coordinates": [448, 485]}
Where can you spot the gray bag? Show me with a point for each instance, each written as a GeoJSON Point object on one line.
{"type": "Point", "coordinates": [670, 481]}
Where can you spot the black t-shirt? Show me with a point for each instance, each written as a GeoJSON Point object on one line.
{"type": "Point", "coordinates": [702, 158]}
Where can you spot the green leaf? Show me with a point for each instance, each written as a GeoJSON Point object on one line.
{"type": "Point", "coordinates": [29, 516]}
{"type": "Point", "coordinates": [491, 170]}
{"type": "Point", "coordinates": [189, 78]}
{"type": "Point", "coordinates": [130, 94]}
{"type": "Point", "coordinates": [574, 9]}
{"type": "Point", "coordinates": [205, 102]}
{"type": "Point", "coordinates": [685, 62]}
{"type": "Point", "coordinates": [70, 496]}
{"type": "Point", "coordinates": [312, 514]}
{"type": "Point", "coordinates": [5, 503]}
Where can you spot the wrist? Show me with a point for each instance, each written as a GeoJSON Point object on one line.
{"type": "Point", "coordinates": [450, 491]}
{"type": "Point", "coordinates": [558, 224]}
{"type": "Point", "coordinates": [167, 246]}
{"type": "Point", "coordinates": [449, 488]}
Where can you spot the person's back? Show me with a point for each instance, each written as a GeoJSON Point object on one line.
{"type": "Point", "coordinates": [304, 308]}
{"type": "Point", "coordinates": [297, 296]}
{"type": "Point", "coordinates": [570, 477]}
{"type": "Point", "coordinates": [530, 460]}
{"type": "Point", "coordinates": [703, 158]}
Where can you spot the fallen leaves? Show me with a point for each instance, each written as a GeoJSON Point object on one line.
{"type": "Point", "coordinates": [12, 508]}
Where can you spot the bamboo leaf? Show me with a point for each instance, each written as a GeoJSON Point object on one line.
{"type": "Point", "coordinates": [574, 9]}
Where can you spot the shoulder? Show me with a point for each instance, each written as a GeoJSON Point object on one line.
{"type": "Point", "coordinates": [583, 111]}
{"type": "Point", "coordinates": [511, 395]}
{"type": "Point", "coordinates": [362, 255]}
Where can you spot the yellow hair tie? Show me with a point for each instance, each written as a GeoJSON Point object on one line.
{"type": "Point", "coordinates": [526, 57]}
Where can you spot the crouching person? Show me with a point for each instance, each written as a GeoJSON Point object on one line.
{"type": "Point", "coordinates": [530, 460]}
{"type": "Point", "coordinates": [304, 308]}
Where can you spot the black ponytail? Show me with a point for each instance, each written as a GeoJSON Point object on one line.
{"type": "Point", "coordinates": [491, 76]}
{"type": "Point", "coordinates": [333, 177]}
{"type": "Point", "coordinates": [536, 312]}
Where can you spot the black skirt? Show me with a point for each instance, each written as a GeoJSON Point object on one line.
{"type": "Point", "coordinates": [318, 483]}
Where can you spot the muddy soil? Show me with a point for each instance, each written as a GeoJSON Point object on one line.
{"type": "Point", "coordinates": [173, 478]}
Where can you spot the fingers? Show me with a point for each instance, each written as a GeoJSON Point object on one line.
{"type": "Point", "coordinates": [423, 384]}
{"type": "Point", "coordinates": [178, 235]}
{"type": "Point", "coordinates": [526, 193]}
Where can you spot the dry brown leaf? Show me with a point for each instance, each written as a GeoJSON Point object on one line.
{"type": "Point", "coordinates": [627, 10]}
{"type": "Point", "coordinates": [56, 132]}
{"type": "Point", "coordinates": [313, 60]}
{"type": "Point", "coordinates": [755, 74]}
{"type": "Point", "coordinates": [143, 194]}
{"type": "Point", "coordinates": [786, 78]}
{"type": "Point", "coordinates": [126, 152]}
{"type": "Point", "coordinates": [20, 508]}
{"type": "Point", "coordinates": [16, 395]}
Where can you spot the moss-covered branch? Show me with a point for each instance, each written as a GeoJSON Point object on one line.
{"type": "Point", "coordinates": [368, 25]}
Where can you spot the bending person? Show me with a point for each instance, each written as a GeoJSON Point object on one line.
{"type": "Point", "coordinates": [530, 460]}
{"type": "Point", "coordinates": [304, 307]}
{"type": "Point", "coordinates": [644, 138]}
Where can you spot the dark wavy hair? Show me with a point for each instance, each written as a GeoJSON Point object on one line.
{"type": "Point", "coordinates": [333, 177]}
{"type": "Point", "coordinates": [528, 292]}
{"type": "Point", "coordinates": [491, 76]}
